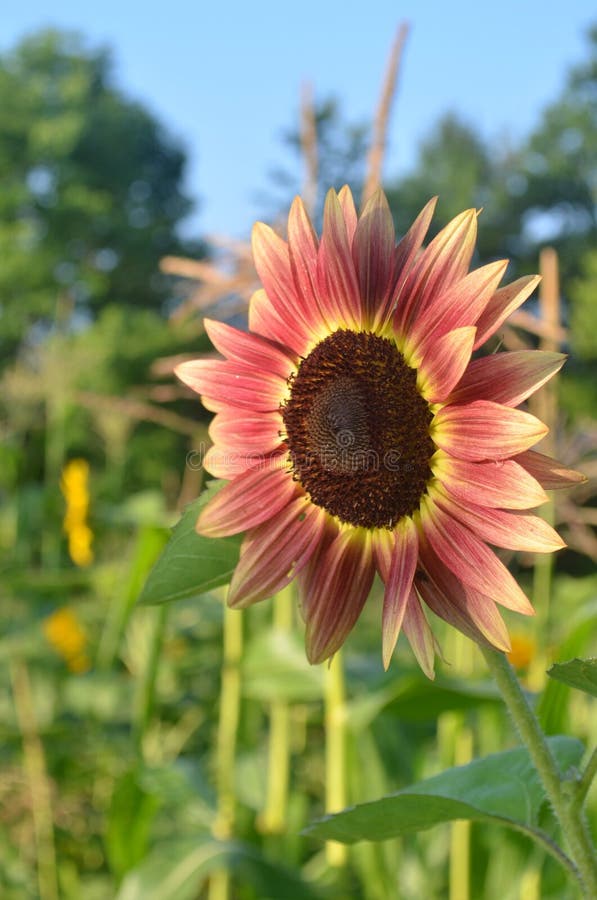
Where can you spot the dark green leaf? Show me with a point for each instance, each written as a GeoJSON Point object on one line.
{"type": "Point", "coordinates": [413, 698]}
{"type": "Point", "coordinates": [191, 564]}
{"type": "Point", "coordinates": [579, 632]}
{"type": "Point", "coordinates": [578, 673]}
{"type": "Point", "coordinates": [131, 813]}
{"type": "Point", "coordinates": [503, 787]}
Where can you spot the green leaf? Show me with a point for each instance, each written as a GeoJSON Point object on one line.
{"type": "Point", "coordinates": [175, 870]}
{"type": "Point", "coordinates": [413, 698]}
{"type": "Point", "coordinates": [577, 673]}
{"type": "Point", "coordinates": [503, 788]}
{"type": "Point", "coordinates": [130, 816]}
{"type": "Point", "coordinates": [191, 564]}
{"type": "Point", "coordinates": [552, 708]}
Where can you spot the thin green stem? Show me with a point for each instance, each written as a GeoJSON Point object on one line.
{"type": "Point", "coordinates": [335, 749]}
{"type": "Point", "coordinates": [147, 684]}
{"type": "Point", "coordinates": [273, 819]}
{"type": "Point", "coordinates": [541, 594]}
{"type": "Point", "coordinates": [550, 846]}
{"type": "Point", "coordinates": [457, 740]}
{"type": "Point", "coordinates": [230, 697]}
{"type": "Point", "coordinates": [543, 570]}
{"type": "Point", "coordinates": [567, 813]}
{"type": "Point", "coordinates": [586, 778]}
{"type": "Point", "coordinates": [34, 763]}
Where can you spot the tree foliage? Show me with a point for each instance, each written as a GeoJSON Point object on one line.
{"type": "Point", "coordinates": [92, 188]}
{"type": "Point", "coordinates": [559, 201]}
{"type": "Point", "coordinates": [341, 154]}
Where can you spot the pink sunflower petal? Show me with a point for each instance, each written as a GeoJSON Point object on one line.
{"type": "Point", "coordinates": [275, 552]}
{"type": "Point", "coordinates": [256, 495]}
{"type": "Point", "coordinates": [461, 602]}
{"type": "Point", "coordinates": [485, 430]}
{"type": "Point", "coordinates": [241, 441]}
{"type": "Point", "coordinates": [272, 261]}
{"type": "Point", "coordinates": [309, 575]}
{"type": "Point", "coordinates": [383, 548]}
{"type": "Point", "coordinates": [472, 614]}
{"type": "Point", "coordinates": [461, 304]}
{"type": "Point", "coordinates": [503, 303]}
{"type": "Point", "coordinates": [447, 609]}
{"type": "Point", "coordinates": [233, 383]}
{"type": "Point", "coordinates": [250, 349]}
{"type": "Point", "coordinates": [410, 245]}
{"type": "Point", "coordinates": [443, 262]}
{"type": "Point", "coordinates": [265, 321]}
{"type": "Point", "coordinates": [303, 248]}
{"type": "Point", "coordinates": [270, 254]}
{"type": "Point", "coordinates": [507, 378]}
{"type": "Point", "coordinates": [247, 430]}
{"type": "Point", "coordinates": [499, 483]}
{"type": "Point", "coordinates": [336, 276]}
{"type": "Point", "coordinates": [346, 201]}
{"type": "Point", "coordinates": [398, 585]}
{"type": "Point", "coordinates": [551, 473]}
{"type": "Point", "coordinates": [228, 464]}
{"type": "Point", "coordinates": [473, 563]}
{"type": "Point", "coordinates": [373, 254]}
{"type": "Point", "coordinates": [512, 530]}
{"type": "Point", "coordinates": [419, 635]}
{"type": "Point", "coordinates": [338, 594]}
{"type": "Point", "coordinates": [445, 362]}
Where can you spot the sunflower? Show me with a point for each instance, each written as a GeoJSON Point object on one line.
{"type": "Point", "coordinates": [359, 435]}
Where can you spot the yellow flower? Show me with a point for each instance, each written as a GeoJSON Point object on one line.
{"type": "Point", "coordinates": [523, 650]}
{"type": "Point", "coordinates": [66, 635]}
{"type": "Point", "coordinates": [74, 485]}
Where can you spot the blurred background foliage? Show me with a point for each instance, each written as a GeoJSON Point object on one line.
{"type": "Point", "coordinates": [109, 766]}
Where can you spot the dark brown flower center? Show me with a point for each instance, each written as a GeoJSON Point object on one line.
{"type": "Point", "coordinates": [358, 430]}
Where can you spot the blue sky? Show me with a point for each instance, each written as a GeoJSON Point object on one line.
{"type": "Point", "coordinates": [225, 77]}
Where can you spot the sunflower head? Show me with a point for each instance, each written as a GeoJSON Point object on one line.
{"type": "Point", "coordinates": [360, 434]}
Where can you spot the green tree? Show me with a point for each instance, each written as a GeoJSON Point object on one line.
{"type": "Point", "coordinates": [341, 158]}
{"type": "Point", "coordinates": [91, 189]}
{"type": "Point", "coordinates": [559, 199]}
{"type": "Point", "coordinates": [452, 162]}
{"type": "Point", "coordinates": [464, 171]}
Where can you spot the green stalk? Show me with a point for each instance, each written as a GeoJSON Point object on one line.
{"type": "Point", "coordinates": [455, 745]}
{"type": "Point", "coordinates": [273, 819]}
{"type": "Point", "coordinates": [335, 750]}
{"type": "Point", "coordinates": [223, 828]}
{"type": "Point", "coordinates": [53, 461]}
{"type": "Point", "coordinates": [147, 686]}
{"type": "Point", "coordinates": [460, 832]}
{"type": "Point", "coordinates": [39, 787]}
{"type": "Point", "coordinates": [566, 809]}
{"type": "Point", "coordinates": [586, 778]}
{"type": "Point", "coordinates": [541, 593]}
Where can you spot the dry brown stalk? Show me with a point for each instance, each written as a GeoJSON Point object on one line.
{"type": "Point", "coordinates": [308, 133]}
{"type": "Point", "coordinates": [380, 126]}
{"type": "Point", "coordinates": [136, 409]}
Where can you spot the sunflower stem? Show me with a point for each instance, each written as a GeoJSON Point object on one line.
{"type": "Point", "coordinates": [335, 749]}
{"type": "Point", "coordinates": [566, 809]}
{"type": "Point", "coordinates": [147, 683]}
{"type": "Point", "coordinates": [541, 595]}
{"type": "Point", "coordinates": [458, 747]}
{"type": "Point", "coordinates": [223, 828]}
{"type": "Point", "coordinates": [586, 778]}
{"type": "Point", "coordinates": [36, 773]}
{"type": "Point", "coordinates": [273, 819]}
